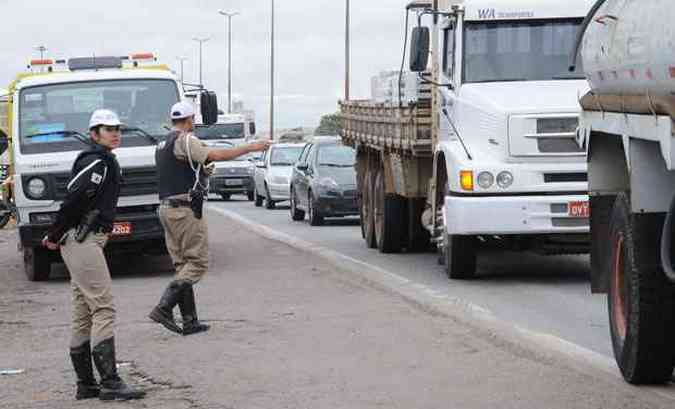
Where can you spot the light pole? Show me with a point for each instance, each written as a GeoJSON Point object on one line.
{"type": "Point", "coordinates": [229, 16]}
{"type": "Point", "coordinates": [347, 50]}
{"type": "Point", "coordinates": [201, 42]}
{"type": "Point", "coordinates": [41, 49]}
{"type": "Point", "coordinates": [182, 76]}
{"type": "Point", "coordinates": [272, 80]}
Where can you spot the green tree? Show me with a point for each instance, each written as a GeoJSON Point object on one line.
{"type": "Point", "coordinates": [331, 125]}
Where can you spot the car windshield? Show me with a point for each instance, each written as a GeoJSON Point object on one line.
{"type": "Point", "coordinates": [342, 156]}
{"type": "Point", "coordinates": [49, 111]}
{"type": "Point", "coordinates": [286, 156]}
{"type": "Point", "coordinates": [220, 131]}
{"type": "Point", "coordinates": [532, 50]}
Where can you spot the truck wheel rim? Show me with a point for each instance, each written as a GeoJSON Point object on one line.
{"type": "Point", "coordinates": [619, 296]}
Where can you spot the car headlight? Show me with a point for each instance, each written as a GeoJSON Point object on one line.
{"type": "Point", "coordinates": [36, 188]}
{"type": "Point", "coordinates": [251, 169]}
{"type": "Point", "coordinates": [505, 179]}
{"type": "Point", "coordinates": [486, 180]}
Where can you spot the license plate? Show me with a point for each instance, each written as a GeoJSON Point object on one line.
{"type": "Point", "coordinates": [579, 209]}
{"type": "Point", "coordinates": [121, 229]}
{"type": "Point", "coordinates": [234, 182]}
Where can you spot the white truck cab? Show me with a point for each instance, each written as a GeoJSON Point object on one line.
{"type": "Point", "coordinates": [56, 97]}
{"type": "Point", "coordinates": [506, 111]}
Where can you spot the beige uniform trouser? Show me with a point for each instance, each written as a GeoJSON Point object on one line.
{"type": "Point", "coordinates": [187, 240]}
{"type": "Point", "coordinates": [93, 311]}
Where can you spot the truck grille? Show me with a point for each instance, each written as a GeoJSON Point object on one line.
{"type": "Point", "coordinates": [553, 135]}
{"type": "Point", "coordinates": [135, 182]}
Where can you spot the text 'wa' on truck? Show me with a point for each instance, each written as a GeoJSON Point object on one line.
{"type": "Point", "coordinates": [626, 50]}
{"type": "Point", "coordinates": [49, 107]}
{"type": "Point", "coordinates": [485, 153]}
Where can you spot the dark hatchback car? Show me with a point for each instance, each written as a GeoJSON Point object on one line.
{"type": "Point", "coordinates": [324, 182]}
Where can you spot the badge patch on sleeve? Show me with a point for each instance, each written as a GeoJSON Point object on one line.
{"type": "Point", "coordinates": [96, 178]}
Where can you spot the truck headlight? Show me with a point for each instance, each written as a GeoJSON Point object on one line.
{"type": "Point", "coordinates": [36, 188]}
{"type": "Point", "coordinates": [505, 179]}
{"type": "Point", "coordinates": [486, 180]}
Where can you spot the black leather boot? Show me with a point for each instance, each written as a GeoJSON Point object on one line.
{"type": "Point", "coordinates": [87, 387]}
{"type": "Point", "coordinates": [188, 310]}
{"type": "Point", "coordinates": [163, 312]}
{"type": "Point", "coordinates": [112, 386]}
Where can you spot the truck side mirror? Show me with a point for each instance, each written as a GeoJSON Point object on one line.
{"type": "Point", "coordinates": [251, 128]}
{"type": "Point", "coordinates": [419, 49]}
{"type": "Point", "coordinates": [209, 107]}
{"type": "Point", "coordinates": [4, 143]}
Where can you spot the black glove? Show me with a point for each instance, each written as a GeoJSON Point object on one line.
{"type": "Point", "coordinates": [86, 225]}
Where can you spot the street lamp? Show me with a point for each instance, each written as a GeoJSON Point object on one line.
{"type": "Point", "coordinates": [272, 80]}
{"type": "Point", "coordinates": [201, 42]}
{"type": "Point", "coordinates": [182, 76]}
{"type": "Point", "coordinates": [229, 16]}
{"type": "Point", "coordinates": [347, 50]}
{"type": "Point", "coordinates": [41, 49]}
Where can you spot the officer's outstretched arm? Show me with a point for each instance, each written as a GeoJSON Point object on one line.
{"type": "Point", "coordinates": [81, 193]}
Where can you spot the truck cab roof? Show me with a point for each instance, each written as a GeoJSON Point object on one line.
{"type": "Point", "coordinates": [492, 10]}
{"type": "Point", "coordinates": [59, 77]}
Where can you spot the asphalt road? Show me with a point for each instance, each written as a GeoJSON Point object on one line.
{"type": "Point", "coordinates": [549, 295]}
{"type": "Point", "coordinates": [289, 330]}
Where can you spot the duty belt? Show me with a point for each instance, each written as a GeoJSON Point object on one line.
{"type": "Point", "coordinates": [175, 203]}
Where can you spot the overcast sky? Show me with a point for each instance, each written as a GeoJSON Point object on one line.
{"type": "Point", "coordinates": [309, 44]}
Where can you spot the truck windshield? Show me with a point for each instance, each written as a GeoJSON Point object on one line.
{"type": "Point", "coordinates": [220, 131]}
{"type": "Point", "coordinates": [50, 110]}
{"type": "Point", "coordinates": [530, 50]}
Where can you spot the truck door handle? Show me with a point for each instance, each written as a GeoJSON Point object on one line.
{"type": "Point", "coordinates": [603, 19]}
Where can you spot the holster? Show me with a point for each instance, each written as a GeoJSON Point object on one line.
{"type": "Point", "coordinates": [86, 225]}
{"type": "Point", "coordinates": [197, 202]}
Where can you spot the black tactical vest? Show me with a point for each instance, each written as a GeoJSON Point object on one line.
{"type": "Point", "coordinates": [108, 195]}
{"type": "Point", "coordinates": [176, 177]}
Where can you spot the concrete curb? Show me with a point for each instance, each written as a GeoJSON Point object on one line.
{"type": "Point", "coordinates": [541, 344]}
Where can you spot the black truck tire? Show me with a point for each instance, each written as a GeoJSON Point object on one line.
{"type": "Point", "coordinates": [601, 213]}
{"type": "Point", "coordinates": [460, 257]}
{"type": "Point", "coordinates": [459, 254]}
{"type": "Point", "coordinates": [367, 219]}
{"type": "Point", "coordinates": [36, 263]}
{"type": "Point", "coordinates": [388, 218]}
{"type": "Point", "coordinates": [641, 300]}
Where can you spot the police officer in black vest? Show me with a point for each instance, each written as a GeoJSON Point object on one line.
{"type": "Point", "coordinates": [183, 161]}
{"type": "Point", "coordinates": [80, 232]}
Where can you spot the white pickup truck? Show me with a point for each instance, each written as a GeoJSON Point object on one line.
{"type": "Point", "coordinates": [488, 148]}
{"type": "Point", "coordinates": [53, 101]}
{"type": "Point", "coordinates": [626, 50]}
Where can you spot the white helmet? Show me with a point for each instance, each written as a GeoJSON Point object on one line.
{"type": "Point", "coordinates": [104, 117]}
{"type": "Point", "coordinates": [182, 110]}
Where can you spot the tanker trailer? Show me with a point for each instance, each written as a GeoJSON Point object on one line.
{"type": "Point", "coordinates": [626, 48]}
